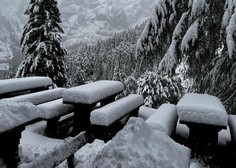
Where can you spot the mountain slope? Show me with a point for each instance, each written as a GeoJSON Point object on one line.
{"type": "Point", "coordinates": [84, 21]}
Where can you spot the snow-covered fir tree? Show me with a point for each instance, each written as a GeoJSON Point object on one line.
{"type": "Point", "coordinates": [198, 33]}
{"type": "Point", "coordinates": [44, 55]}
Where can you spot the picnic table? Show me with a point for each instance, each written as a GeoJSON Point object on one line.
{"type": "Point", "coordinates": [85, 97]}
{"type": "Point", "coordinates": [205, 116]}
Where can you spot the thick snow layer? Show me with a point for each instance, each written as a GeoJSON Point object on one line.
{"type": "Point", "coordinates": [138, 145]}
{"type": "Point", "coordinates": [145, 112]}
{"type": "Point", "coordinates": [86, 155]}
{"type": "Point", "coordinates": [14, 114]}
{"type": "Point", "coordinates": [232, 125]}
{"type": "Point", "coordinates": [92, 92]}
{"type": "Point", "coordinates": [54, 108]}
{"type": "Point", "coordinates": [18, 84]}
{"type": "Point", "coordinates": [164, 119]}
{"type": "Point", "coordinates": [38, 97]}
{"type": "Point", "coordinates": [224, 137]}
{"type": "Point", "coordinates": [33, 145]}
{"type": "Point", "coordinates": [202, 108]}
{"type": "Point", "coordinates": [113, 111]}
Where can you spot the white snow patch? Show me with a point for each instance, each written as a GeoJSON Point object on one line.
{"type": "Point", "coordinates": [18, 84]}
{"type": "Point", "coordinates": [232, 125]}
{"type": "Point", "coordinates": [202, 108]}
{"type": "Point", "coordinates": [38, 97]}
{"type": "Point", "coordinates": [230, 30]}
{"type": "Point", "coordinates": [13, 114]}
{"type": "Point", "coordinates": [145, 112]}
{"type": "Point", "coordinates": [164, 119]}
{"type": "Point", "coordinates": [138, 145]}
{"type": "Point", "coordinates": [190, 36]}
{"type": "Point", "coordinates": [92, 92]}
{"type": "Point", "coordinates": [113, 111]}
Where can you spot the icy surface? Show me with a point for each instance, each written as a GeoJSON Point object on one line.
{"type": "Point", "coordinates": [38, 97]}
{"type": "Point", "coordinates": [164, 119]}
{"type": "Point", "coordinates": [92, 92]}
{"type": "Point", "coordinates": [54, 108]}
{"type": "Point", "coordinates": [145, 112]}
{"type": "Point", "coordinates": [202, 108]}
{"type": "Point", "coordinates": [14, 114]}
{"type": "Point", "coordinates": [138, 145]}
{"type": "Point", "coordinates": [18, 84]}
{"type": "Point", "coordinates": [113, 111]}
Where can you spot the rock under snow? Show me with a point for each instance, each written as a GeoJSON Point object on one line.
{"type": "Point", "coordinates": [92, 92]}
{"type": "Point", "coordinates": [13, 114]}
{"type": "Point", "coordinates": [202, 108]}
{"type": "Point", "coordinates": [138, 145]}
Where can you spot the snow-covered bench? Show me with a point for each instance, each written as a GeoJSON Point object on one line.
{"type": "Point", "coordinates": [18, 86]}
{"type": "Point", "coordinates": [232, 127]}
{"type": "Point", "coordinates": [109, 119]}
{"type": "Point", "coordinates": [85, 97]}
{"type": "Point", "coordinates": [13, 119]}
{"type": "Point", "coordinates": [64, 151]}
{"type": "Point", "coordinates": [164, 119]}
{"type": "Point", "coordinates": [205, 116]}
{"type": "Point", "coordinates": [50, 104]}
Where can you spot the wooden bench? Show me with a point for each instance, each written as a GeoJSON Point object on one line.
{"type": "Point", "coordinates": [14, 117]}
{"type": "Point", "coordinates": [108, 120]}
{"type": "Point", "coordinates": [64, 151]}
{"type": "Point", "coordinates": [85, 97]}
{"type": "Point", "coordinates": [164, 119]}
{"type": "Point", "coordinates": [50, 105]}
{"type": "Point", "coordinates": [18, 86]}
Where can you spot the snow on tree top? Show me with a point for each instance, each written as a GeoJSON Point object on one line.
{"type": "Point", "coordinates": [13, 114]}
{"type": "Point", "coordinates": [113, 111]}
{"type": "Point", "coordinates": [18, 84]}
{"type": "Point", "coordinates": [202, 108]}
{"type": "Point", "coordinates": [138, 145]}
{"type": "Point", "coordinates": [92, 92]}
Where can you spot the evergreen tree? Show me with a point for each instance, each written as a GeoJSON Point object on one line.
{"type": "Point", "coordinates": [199, 34]}
{"type": "Point", "coordinates": [40, 42]}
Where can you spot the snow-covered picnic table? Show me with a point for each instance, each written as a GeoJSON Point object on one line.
{"type": "Point", "coordinates": [85, 97]}
{"type": "Point", "coordinates": [205, 116]}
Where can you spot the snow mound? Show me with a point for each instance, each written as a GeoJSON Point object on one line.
{"type": "Point", "coordinates": [138, 145]}
{"type": "Point", "coordinates": [92, 92]}
{"type": "Point", "coordinates": [202, 108]}
{"type": "Point", "coordinates": [13, 114]}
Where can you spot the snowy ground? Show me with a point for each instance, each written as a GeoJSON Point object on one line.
{"type": "Point", "coordinates": [33, 144]}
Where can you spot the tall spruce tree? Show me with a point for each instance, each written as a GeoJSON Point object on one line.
{"type": "Point", "coordinates": [200, 34]}
{"type": "Point", "coordinates": [44, 55]}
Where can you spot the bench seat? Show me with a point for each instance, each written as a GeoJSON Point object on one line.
{"type": "Point", "coordinates": [38, 97]}
{"type": "Point", "coordinates": [15, 86]}
{"type": "Point", "coordinates": [113, 111]}
{"type": "Point", "coordinates": [108, 120]}
{"type": "Point", "coordinates": [54, 108]}
{"type": "Point", "coordinates": [164, 119]}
